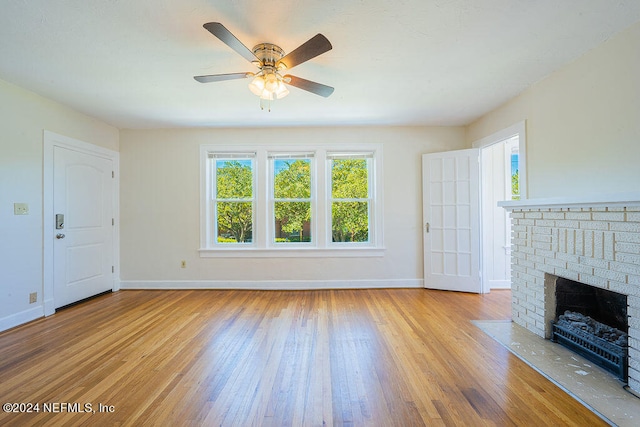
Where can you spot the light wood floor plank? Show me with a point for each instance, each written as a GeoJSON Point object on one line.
{"type": "Point", "coordinates": [301, 358]}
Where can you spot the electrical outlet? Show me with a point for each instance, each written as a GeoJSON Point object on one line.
{"type": "Point", "coordinates": [183, 264]}
{"type": "Point", "coordinates": [33, 297]}
{"type": "Point", "coordinates": [21, 209]}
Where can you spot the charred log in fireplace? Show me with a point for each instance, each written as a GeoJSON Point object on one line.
{"type": "Point", "coordinates": [602, 344]}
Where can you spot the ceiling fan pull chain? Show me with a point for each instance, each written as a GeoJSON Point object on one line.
{"type": "Point", "coordinates": [266, 102]}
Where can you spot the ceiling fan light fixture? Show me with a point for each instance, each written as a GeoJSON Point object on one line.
{"type": "Point", "coordinates": [268, 86]}
{"type": "Point", "coordinates": [281, 90]}
{"type": "Point", "coordinates": [257, 85]}
{"type": "Point", "coordinates": [271, 82]}
{"type": "Point", "coordinates": [267, 95]}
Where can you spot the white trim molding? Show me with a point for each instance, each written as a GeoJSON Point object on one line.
{"type": "Point", "coordinates": [20, 318]}
{"type": "Point", "coordinates": [301, 252]}
{"type": "Point", "coordinates": [271, 284]}
{"type": "Point", "coordinates": [519, 129]}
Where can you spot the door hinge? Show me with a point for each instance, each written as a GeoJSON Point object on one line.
{"type": "Point", "coordinates": [113, 174]}
{"type": "Point", "coordinates": [113, 269]}
{"type": "Point", "coordinates": [113, 221]}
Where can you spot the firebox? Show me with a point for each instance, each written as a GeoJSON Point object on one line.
{"type": "Point", "coordinates": [593, 322]}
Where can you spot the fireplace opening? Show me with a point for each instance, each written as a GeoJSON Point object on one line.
{"type": "Point", "coordinates": [602, 305]}
{"type": "Point", "coordinates": [593, 322]}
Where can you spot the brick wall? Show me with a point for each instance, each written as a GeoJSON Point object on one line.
{"type": "Point", "coordinates": [599, 246]}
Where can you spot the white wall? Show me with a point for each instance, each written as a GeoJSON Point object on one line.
{"type": "Point", "coordinates": [583, 123]}
{"type": "Point", "coordinates": [23, 118]}
{"type": "Point", "coordinates": [159, 199]}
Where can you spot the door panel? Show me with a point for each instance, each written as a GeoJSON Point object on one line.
{"type": "Point", "coordinates": [451, 186]}
{"type": "Point", "coordinates": [83, 248]}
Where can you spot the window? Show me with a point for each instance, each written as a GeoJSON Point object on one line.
{"type": "Point", "coordinates": [291, 197]}
{"type": "Point", "coordinates": [233, 198]}
{"type": "Point", "coordinates": [291, 201]}
{"type": "Point", "coordinates": [350, 196]}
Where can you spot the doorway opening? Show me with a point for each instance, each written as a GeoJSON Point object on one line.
{"type": "Point", "coordinates": [503, 177]}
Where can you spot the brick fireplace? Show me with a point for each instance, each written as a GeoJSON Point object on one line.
{"type": "Point", "coordinates": [592, 242]}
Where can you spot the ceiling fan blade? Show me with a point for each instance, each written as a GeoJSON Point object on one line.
{"type": "Point", "coordinates": [221, 77]}
{"type": "Point", "coordinates": [309, 86]}
{"type": "Point", "coordinates": [317, 45]}
{"type": "Point", "coordinates": [220, 31]}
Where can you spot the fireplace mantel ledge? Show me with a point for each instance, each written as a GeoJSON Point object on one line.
{"type": "Point", "coordinates": [605, 200]}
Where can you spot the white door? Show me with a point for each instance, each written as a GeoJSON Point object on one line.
{"type": "Point", "coordinates": [451, 220]}
{"type": "Point", "coordinates": [83, 243]}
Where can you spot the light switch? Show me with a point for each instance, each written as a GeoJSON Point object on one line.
{"type": "Point", "coordinates": [21, 209]}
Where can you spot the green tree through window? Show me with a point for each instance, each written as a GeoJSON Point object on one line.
{"type": "Point", "coordinates": [234, 200]}
{"type": "Point", "coordinates": [292, 199]}
{"type": "Point", "coordinates": [350, 200]}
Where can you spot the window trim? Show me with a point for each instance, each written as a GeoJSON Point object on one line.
{"type": "Point", "coordinates": [322, 246]}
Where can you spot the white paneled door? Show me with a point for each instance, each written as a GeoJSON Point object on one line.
{"type": "Point", "coordinates": [83, 243]}
{"type": "Point", "coordinates": [451, 220]}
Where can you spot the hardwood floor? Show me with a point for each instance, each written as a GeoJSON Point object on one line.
{"type": "Point", "coordinates": [302, 358]}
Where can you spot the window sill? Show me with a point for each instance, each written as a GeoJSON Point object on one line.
{"type": "Point", "coordinates": [360, 252]}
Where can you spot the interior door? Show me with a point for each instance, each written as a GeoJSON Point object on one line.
{"type": "Point", "coordinates": [451, 220]}
{"type": "Point", "coordinates": [83, 249]}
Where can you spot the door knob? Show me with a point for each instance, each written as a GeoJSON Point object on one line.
{"type": "Point", "coordinates": [59, 236]}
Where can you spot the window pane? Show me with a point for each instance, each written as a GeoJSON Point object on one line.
{"type": "Point", "coordinates": [235, 222]}
{"type": "Point", "coordinates": [292, 221]}
{"type": "Point", "coordinates": [349, 179]}
{"type": "Point", "coordinates": [350, 221]}
{"type": "Point", "coordinates": [513, 147]}
{"type": "Point", "coordinates": [234, 179]}
{"type": "Point", "coordinates": [515, 177]}
{"type": "Point", "coordinates": [292, 179]}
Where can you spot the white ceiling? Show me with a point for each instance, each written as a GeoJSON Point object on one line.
{"type": "Point", "coordinates": [394, 62]}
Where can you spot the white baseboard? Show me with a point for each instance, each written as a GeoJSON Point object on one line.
{"type": "Point", "coordinates": [17, 319]}
{"type": "Point", "coordinates": [271, 284]}
{"type": "Point", "coordinates": [506, 285]}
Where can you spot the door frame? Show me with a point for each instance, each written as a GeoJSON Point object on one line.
{"type": "Point", "coordinates": [518, 129]}
{"type": "Point", "coordinates": [52, 140]}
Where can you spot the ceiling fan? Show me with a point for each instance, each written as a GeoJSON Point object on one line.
{"type": "Point", "coordinates": [269, 82]}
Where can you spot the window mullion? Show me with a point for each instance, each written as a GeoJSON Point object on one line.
{"type": "Point", "coordinates": [261, 185]}
{"type": "Point", "coordinates": [319, 204]}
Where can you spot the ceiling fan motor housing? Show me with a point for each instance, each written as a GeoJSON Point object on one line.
{"type": "Point", "coordinates": [268, 54]}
